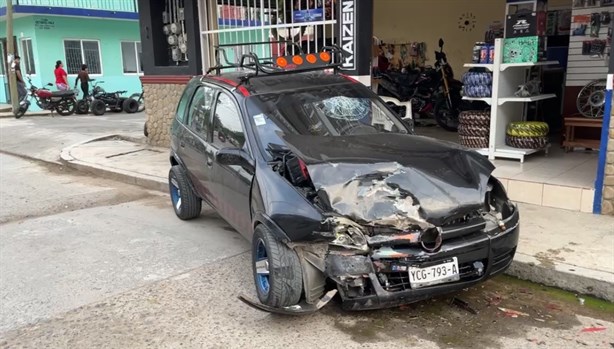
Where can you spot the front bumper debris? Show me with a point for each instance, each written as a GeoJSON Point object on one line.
{"type": "Point", "coordinates": [298, 309]}
{"type": "Point", "coordinates": [381, 279]}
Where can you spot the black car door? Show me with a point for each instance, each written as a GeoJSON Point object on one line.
{"type": "Point", "coordinates": [230, 185]}
{"type": "Point", "coordinates": [195, 138]}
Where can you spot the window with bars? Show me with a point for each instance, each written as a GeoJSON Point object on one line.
{"type": "Point", "coordinates": [27, 57]}
{"type": "Point", "coordinates": [78, 52]}
{"type": "Point", "coordinates": [131, 57]}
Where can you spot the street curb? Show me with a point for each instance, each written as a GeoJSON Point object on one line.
{"type": "Point", "coordinates": [145, 181]}
{"type": "Point", "coordinates": [564, 276]}
{"type": "Point", "coordinates": [9, 114]}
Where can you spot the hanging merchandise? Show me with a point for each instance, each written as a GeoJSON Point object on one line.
{"type": "Point", "coordinates": [595, 24]}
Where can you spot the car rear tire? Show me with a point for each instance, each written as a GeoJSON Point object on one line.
{"type": "Point", "coordinates": [277, 270]}
{"type": "Point", "coordinates": [186, 203]}
{"type": "Point", "coordinates": [130, 106]}
{"type": "Point", "coordinates": [98, 107]}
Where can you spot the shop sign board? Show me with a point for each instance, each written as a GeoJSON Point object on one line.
{"type": "Point", "coordinates": [348, 33]}
{"type": "Point", "coordinates": [308, 15]}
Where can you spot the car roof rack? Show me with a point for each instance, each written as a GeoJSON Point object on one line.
{"type": "Point", "coordinates": [265, 67]}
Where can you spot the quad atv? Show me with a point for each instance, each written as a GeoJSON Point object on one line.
{"type": "Point", "coordinates": [99, 101]}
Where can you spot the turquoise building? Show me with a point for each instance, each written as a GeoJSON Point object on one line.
{"type": "Point", "coordinates": [104, 34]}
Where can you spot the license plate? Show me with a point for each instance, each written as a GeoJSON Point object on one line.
{"type": "Point", "coordinates": [434, 274]}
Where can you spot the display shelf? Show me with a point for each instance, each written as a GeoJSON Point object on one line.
{"type": "Point", "coordinates": [482, 99]}
{"type": "Point", "coordinates": [504, 66]}
{"type": "Point", "coordinates": [505, 151]}
{"type": "Point", "coordinates": [479, 65]}
{"type": "Point", "coordinates": [505, 107]}
{"type": "Point", "coordinates": [482, 151]}
{"type": "Point", "coordinates": [501, 101]}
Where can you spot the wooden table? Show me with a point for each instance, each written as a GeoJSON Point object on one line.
{"type": "Point", "coordinates": [570, 133]}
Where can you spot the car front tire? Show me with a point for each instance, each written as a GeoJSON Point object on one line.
{"type": "Point", "coordinates": [277, 270]}
{"type": "Point", "coordinates": [186, 203]}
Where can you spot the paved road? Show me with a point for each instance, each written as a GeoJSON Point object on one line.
{"type": "Point", "coordinates": [41, 137]}
{"type": "Point", "coordinates": [88, 263]}
{"type": "Point", "coordinates": [67, 240]}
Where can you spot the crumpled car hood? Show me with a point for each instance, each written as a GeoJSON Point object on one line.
{"type": "Point", "coordinates": [394, 179]}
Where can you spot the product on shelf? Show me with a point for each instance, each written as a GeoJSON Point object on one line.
{"type": "Point", "coordinates": [473, 131]}
{"type": "Point", "coordinates": [473, 142]}
{"type": "Point", "coordinates": [474, 128]}
{"type": "Point", "coordinates": [531, 88]}
{"type": "Point", "coordinates": [477, 84]}
{"type": "Point", "coordinates": [477, 118]}
{"type": "Point", "coordinates": [527, 134]}
{"type": "Point", "coordinates": [527, 129]}
{"type": "Point", "coordinates": [483, 53]}
{"type": "Point", "coordinates": [525, 49]}
{"type": "Point", "coordinates": [526, 142]}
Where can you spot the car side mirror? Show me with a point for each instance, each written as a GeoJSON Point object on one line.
{"type": "Point", "coordinates": [235, 157]}
{"type": "Point", "coordinates": [440, 43]}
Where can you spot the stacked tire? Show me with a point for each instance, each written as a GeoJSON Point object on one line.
{"type": "Point", "coordinates": [474, 128]}
{"type": "Point", "coordinates": [477, 84]}
{"type": "Point", "coordinates": [527, 134]}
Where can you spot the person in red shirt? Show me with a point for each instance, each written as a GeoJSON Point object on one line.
{"type": "Point", "coordinates": [61, 78]}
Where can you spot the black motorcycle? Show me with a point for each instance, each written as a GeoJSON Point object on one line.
{"type": "Point", "coordinates": [64, 102]}
{"type": "Point", "coordinates": [433, 92]}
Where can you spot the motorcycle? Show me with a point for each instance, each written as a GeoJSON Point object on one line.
{"type": "Point", "coordinates": [433, 92]}
{"type": "Point", "coordinates": [64, 102]}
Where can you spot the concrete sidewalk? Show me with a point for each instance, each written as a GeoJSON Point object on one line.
{"type": "Point", "coordinates": [569, 250]}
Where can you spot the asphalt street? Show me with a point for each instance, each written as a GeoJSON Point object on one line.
{"type": "Point", "coordinates": [92, 263]}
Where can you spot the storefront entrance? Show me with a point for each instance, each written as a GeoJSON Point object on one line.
{"type": "Point", "coordinates": [551, 162]}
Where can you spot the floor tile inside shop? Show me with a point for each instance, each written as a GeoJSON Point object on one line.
{"type": "Point", "coordinates": [558, 179]}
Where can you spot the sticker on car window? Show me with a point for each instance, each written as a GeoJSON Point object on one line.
{"type": "Point", "coordinates": [259, 119]}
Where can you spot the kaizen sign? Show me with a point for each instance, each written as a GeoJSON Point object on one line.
{"type": "Point", "coordinates": [348, 33]}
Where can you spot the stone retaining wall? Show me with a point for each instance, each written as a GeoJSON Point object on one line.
{"type": "Point", "coordinates": [160, 105]}
{"type": "Point", "coordinates": [608, 190]}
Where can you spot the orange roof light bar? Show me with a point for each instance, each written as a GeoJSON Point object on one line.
{"type": "Point", "coordinates": [325, 56]}
{"type": "Point", "coordinates": [311, 58]}
{"type": "Point", "coordinates": [298, 60]}
{"type": "Point", "coordinates": [282, 62]}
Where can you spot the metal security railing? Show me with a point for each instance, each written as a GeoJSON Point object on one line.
{"type": "Point", "coordinates": [307, 25]}
{"type": "Point", "coordinates": [105, 5]}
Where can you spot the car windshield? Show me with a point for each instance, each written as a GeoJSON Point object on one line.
{"type": "Point", "coordinates": [340, 110]}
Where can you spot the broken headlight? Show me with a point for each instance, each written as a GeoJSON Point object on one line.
{"type": "Point", "coordinates": [347, 234]}
{"type": "Point", "coordinates": [496, 203]}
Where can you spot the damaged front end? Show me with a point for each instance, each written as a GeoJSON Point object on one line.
{"type": "Point", "coordinates": [381, 263]}
{"type": "Point", "coordinates": [393, 233]}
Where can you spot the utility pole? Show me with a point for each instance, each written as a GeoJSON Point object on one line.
{"type": "Point", "coordinates": [10, 45]}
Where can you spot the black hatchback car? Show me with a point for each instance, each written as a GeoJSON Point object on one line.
{"type": "Point", "coordinates": [335, 191]}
